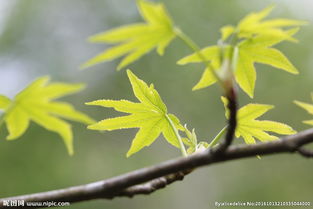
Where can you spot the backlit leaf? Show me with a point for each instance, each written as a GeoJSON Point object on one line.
{"type": "Point", "coordinates": [35, 103]}
{"type": "Point", "coordinates": [4, 102]}
{"type": "Point", "coordinates": [212, 54]}
{"type": "Point", "coordinates": [308, 107]}
{"type": "Point", "coordinates": [251, 51]}
{"type": "Point", "coordinates": [256, 47]}
{"type": "Point", "coordinates": [149, 115]}
{"type": "Point", "coordinates": [254, 24]}
{"type": "Point", "coordinates": [133, 41]}
{"type": "Point", "coordinates": [249, 128]}
{"type": "Point", "coordinates": [226, 31]}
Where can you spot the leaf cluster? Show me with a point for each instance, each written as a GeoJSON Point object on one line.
{"type": "Point", "coordinates": [231, 60]}
{"type": "Point", "coordinates": [250, 42]}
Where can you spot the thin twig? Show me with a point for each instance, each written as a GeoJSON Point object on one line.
{"type": "Point", "coordinates": [151, 186]}
{"type": "Point", "coordinates": [305, 152]}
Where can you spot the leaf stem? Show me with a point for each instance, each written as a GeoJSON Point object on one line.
{"type": "Point", "coordinates": [181, 144]}
{"type": "Point", "coordinates": [218, 136]}
{"type": "Point", "coordinates": [191, 44]}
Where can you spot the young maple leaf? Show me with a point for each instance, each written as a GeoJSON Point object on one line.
{"type": "Point", "coordinates": [254, 24]}
{"type": "Point", "coordinates": [150, 116]}
{"type": "Point", "coordinates": [308, 108]}
{"type": "Point", "coordinates": [137, 39]}
{"type": "Point", "coordinates": [249, 128]}
{"type": "Point", "coordinates": [259, 50]}
{"type": "Point", "coordinates": [254, 50]}
{"type": "Point", "coordinates": [35, 103]}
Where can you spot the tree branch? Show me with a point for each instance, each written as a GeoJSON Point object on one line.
{"type": "Point", "coordinates": [232, 121]}
{"type": "Point", "coordinates": [305, 152]}
{"type": "Point", "coordinates": [127, 184]}
{"type": "Point", "coordinates": [151, 186]}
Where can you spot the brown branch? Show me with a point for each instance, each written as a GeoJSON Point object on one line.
{"type": "Point", "coordinates": [232, 121]}
{"type": "Point", "coordinates": [305, 152]}
{"type": "Point", "coordinates": [151, 186]}
{"type": "Point", "coordinates": [126, 183]}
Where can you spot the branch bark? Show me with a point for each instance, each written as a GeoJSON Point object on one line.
{"type": "Point", "coordinates": [305, 152]}
{"type": "Point", "coordinates": [232, 121]}
{"type": "Point", "coordinates": [129, 184]}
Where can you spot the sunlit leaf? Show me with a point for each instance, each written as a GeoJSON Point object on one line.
{"type": "Point", "coordinates": [308, 107]}
{"type": "Point", "coordinates": [212, 54]}
{"type": "Point", "coordinates": [250, 129]}
{"type": "Point", "coordinates": [250, 51]}
{"type": "Point", "coordinates": [4, 102]}
{"type": "Point", "coordinates": [226, 31]}
{"type": "Point", "coordinates": [35, 103]}
{"type": "Point", "coordinates": [254, 24]}
{"type": "Point", "coordinates": [252, 41]}
{"type": "Point", "coordinates": [190, 140]}
{"type": "Point", "coordinates": [133, 41]}
{"type": "Point", "coordinates": [149, 115]}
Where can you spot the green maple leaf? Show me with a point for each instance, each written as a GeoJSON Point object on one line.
{"type": "Point", "coordinates": [137, 39]}
{"type": "Point", "coordinates": [150, 116]}
{"type": "Point", "coordinates": [257, 49]}
{"type": "Point", "coordinates": [254, 24]}
{"type": "Point", "coordinates": [308, 107]}
{"type": "Point", "coordinates": [35, 103]}
{"type": "Point", "coordinates": [212, 54]}
{"type": "Point", "coordinates": [249, 128]}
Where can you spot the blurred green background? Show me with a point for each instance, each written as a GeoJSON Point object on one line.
{"type": "Point", "coordinates": [49, 37]}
